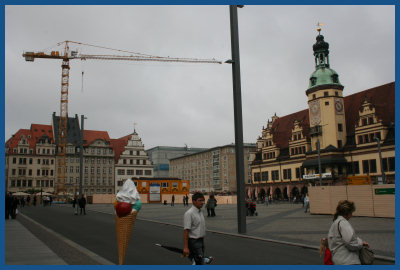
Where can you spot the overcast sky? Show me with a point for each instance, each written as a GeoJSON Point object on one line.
{"type": "Point", "coordinates": [175, 104]}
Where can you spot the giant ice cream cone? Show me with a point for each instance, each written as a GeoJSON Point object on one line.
{"type": "Point", "coordinates": [124, 226]}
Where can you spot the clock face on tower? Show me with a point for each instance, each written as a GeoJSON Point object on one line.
{"type": "Point", "coordinates": [315, 112]}
{"type": "Point", "coordinates": [339, 106]}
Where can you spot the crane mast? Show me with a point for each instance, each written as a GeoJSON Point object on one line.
{"type": "Point", "coordinates": [65, 67]}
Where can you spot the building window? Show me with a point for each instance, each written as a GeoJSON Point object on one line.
{"type": "Point", "coordinates": [369, 166]}
{"type": "Point", "coordinates": [121, 172]}
{"type": "Point", "coordinates": [297, 173]}
{"type": "Point", "coordinates": [129, 172]}
{"type": "Point", "coordinates": [314, 96]}
{"type": "Point", "coordinates": [264, 176]}
{"type": "Point", "coordinates": [370, 120]}
{"type": "Point", "coordinates": [326, 103]}
{"type": "Point", "coordinates": [139, 172]}
{"type": "Point", "coordinates": [287, 174]}
{"type": "Point", "coordinates": [256, 177]}
{"type": "Point", "coordinates": [388, 164]}
{"type": "Point", "coordinates": [353, 167]}
{"type": "Point", "coordinates": [339, 143]}
{"type": "Point", "coordinates": [364, 121]}
{"type": "Point", "coordinates": [275, 175]}
{"type": "Point", "coordinates": [326, 93]}
{"type": "Point", "coordinates": [147, 172]}
{"type": "Point", "coordinates": [340, 127]}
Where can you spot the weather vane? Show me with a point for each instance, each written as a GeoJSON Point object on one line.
{"type": "Point", "coordinates": [319, 27]}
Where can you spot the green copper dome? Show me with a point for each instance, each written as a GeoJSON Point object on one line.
{"type": "Point", "coordinates": [323, 76]}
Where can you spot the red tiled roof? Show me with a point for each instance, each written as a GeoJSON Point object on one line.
{"type": "Point", "coordinates": [32, 135]}
{"type": "Point", "coordinates": [282, 127]}
{"type": "Point", "coordinates": [382, 97]}
{"type": "Point", "coordinates": [91, 135]}
{"type": "Point", "coordinates": [39, 130]}
{"type": "Point", "coordinates": [119, 145]}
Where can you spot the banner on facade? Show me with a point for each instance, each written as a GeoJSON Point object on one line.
{"type": "Point", "coordinates": [316, 176]}
{"type": "Point", "coordinates": [155, 195]}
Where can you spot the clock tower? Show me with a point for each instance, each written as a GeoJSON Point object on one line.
{"type": "Point", "coordinates": [325, 101]}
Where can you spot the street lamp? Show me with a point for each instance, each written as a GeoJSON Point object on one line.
{"type": "Point", "coordinates": [237, 104]}
{"type": "Point", "coordinates": [81, 156]}
{"type": "Point", "coordinates": [380, 159]}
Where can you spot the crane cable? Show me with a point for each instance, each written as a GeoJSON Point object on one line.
{"type": "Point", "coordinates": [83, 72]}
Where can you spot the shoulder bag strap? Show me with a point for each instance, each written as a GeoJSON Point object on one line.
{"type": "Point", "coordinates": [339, 229]}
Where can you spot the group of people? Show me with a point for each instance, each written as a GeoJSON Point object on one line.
{"type": "Point", "coordinates": [13, 202]}
{"type": "Point", "coordinates": [81, 202]}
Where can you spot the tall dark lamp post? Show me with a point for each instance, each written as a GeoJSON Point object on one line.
{"type": "Point", "coordinates": [237, 102]}
{"type": "Point", "coordinates": [380, 159]}
{"type": "Point", "coordinates": [81, 156]}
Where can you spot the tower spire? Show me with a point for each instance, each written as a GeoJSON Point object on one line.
{"type": "Point", "coordinates": [319, 27]}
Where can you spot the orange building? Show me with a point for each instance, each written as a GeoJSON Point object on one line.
{"type": "Point", "coordinates": [158, 188]}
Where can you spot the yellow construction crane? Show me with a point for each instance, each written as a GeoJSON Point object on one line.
{"type": "Point", "coordinates": [66, 55]}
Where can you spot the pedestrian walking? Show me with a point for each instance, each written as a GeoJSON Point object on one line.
{"type": "Point", "coordinates": [82, 204]}
{"type": "Point", "coordinates": [173, 200]}
{"type": "Point", "coordinates": [34, 200]}
{"type": "Point", "coordinates": [50, 200]}
{"type": "Point", "coordinates": [307, 203]}
{"type": "Point", "coordinates": [14, 207]}
{"type": "Point", "coordinates": [342, 239]}
{"type": "Point", "coordinates": [211, 204]}
{"type": "Point", "coordinates": [187, 200]}
{"type": "Point", "coordinates": [194, 231]}
{"type": "Point", "coordinates": [74, 205]}
{"type": "Point", "coordinates": [28, 200]}
{"type": "Point", "coordinates": [8, 205]}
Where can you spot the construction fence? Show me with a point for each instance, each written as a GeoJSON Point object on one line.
{"type": "Point", "coordinates": [370, 200]}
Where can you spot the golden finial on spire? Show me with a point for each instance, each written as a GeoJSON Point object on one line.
{"type": "Point", "coordinates": [319, 27]}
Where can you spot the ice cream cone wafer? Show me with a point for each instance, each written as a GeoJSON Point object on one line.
{"type": "Point", "coordinates": [124, 226]}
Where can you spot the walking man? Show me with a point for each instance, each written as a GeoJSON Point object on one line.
{"type": "Point", "coordinates": [194, 230]}
{"type": "Point", "coordinates": [307, 203]}
{"type": "Point", "coordinates": [173, 200]}
{"type": "Point", "coordinates": [82, 204]}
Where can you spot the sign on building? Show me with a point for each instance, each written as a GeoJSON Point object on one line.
{"type": "Point", "coordinates": [155, 195]}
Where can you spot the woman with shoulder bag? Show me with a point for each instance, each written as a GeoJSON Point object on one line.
{"type": "Point", "coordinates": [343, 242]}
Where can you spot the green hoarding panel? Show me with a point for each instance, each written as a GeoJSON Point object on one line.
{"type": "Point", "coordinates": [384, 191]}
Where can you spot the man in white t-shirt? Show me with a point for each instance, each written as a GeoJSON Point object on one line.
{"type": "Point", "coordinates": [194, 230]}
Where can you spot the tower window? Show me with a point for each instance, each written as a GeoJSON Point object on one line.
{"type": "Point", "coordinates": [370, 120]}
{"type": "Point", "coordinates": [336, 93]}
{"type": "Point", "coordinates": [339, 143]}
{"type": "Point", "coordinates": [326, 93]}
{"type": "Point", "coordinates": [335, 78]}
{"type": "Point", "coordinates": [340, 127]}
{"type": "Point", "coordinates": [313, 80]}
{"type": "Point", "coordinates": [326, 103]}
{"type": "Point", "coordinates": [314, 96]}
